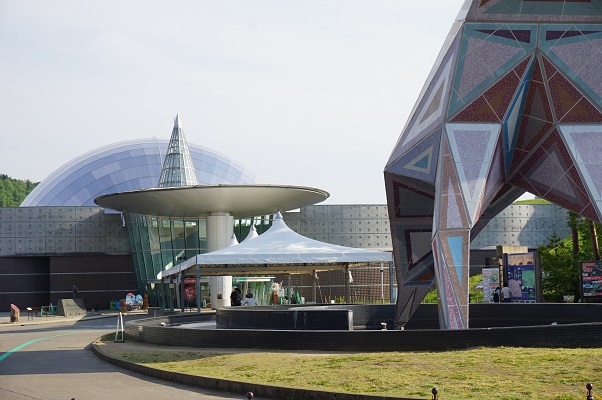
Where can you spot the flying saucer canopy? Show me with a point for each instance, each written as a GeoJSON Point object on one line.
{"type": "Point", "coordinates": [278, 250]}
{"type": "Point", "coordinates": [240, 201]}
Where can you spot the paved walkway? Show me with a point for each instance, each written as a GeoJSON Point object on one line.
{"type": "Point", "coordinates": [112, 352]}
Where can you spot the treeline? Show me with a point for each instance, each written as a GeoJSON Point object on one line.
{"type": "Point", "coordinates": [14, 191]}
{"type": "Point", "coordinates": [560, 258]}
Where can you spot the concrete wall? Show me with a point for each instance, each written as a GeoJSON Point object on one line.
{"type": "Point", "coordinates": [362, 226]}
{"type": "Point", "coordinates": [367, 226]}
{"type": "Point", "coordinates": [36, 231]}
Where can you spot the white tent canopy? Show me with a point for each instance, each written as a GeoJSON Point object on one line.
{"type": "Point", "coordinates": [278, 250]}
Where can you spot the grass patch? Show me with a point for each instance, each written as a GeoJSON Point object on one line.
{"type": "Point", "coordinates": [531, 201]}
{"type": "Point", "coordinates": [494, 373]}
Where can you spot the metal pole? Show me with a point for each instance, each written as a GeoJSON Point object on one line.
{"type": "Point", "coordinates": [198, 288]}
{"type": "Point", "coordinates": [382, 284]}
{"type": "Point", "coordinates": [313, 286]}
{"type": "Point", "coordinates": [182, 301]}
{"type": "Point", "coordinates": [347, 285]}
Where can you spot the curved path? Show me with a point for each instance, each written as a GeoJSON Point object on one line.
{"type": "Point", "coordinates": [54, 361]}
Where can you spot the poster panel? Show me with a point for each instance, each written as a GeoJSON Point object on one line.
{"type": "Point", "coordinates": [491, 280]}
{"type": "Point", "coordinates": [520, 274]}
{"type": "Point", "coordinates": [591, 278]}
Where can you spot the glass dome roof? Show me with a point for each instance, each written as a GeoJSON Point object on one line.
{"type": "Point", "coordinates": [127, 166]}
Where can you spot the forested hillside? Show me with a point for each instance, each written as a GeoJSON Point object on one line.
{"type": "Point", "coordinates": [14, 191]}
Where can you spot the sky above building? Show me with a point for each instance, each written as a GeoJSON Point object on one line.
{"type": "Point", "coordinates": [301, 92]}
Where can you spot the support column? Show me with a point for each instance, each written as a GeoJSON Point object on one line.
{"type": "Point", "coordinates": [182, 297]}
{"type": "Point", "coordinates": [198, 288]}
{"type": "Point", "coordinates": [220, 227]}
{"type": "Point", "coordinates": [452, 252]}
{"type": "Point", "coordinates": [347, 285]}
{"type": "Point", "coordinates": [313, 286]}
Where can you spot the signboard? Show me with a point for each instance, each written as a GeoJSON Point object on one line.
{"type": "Point", "coordinates": [520, 275]}
{"type": "Point", "coordinates": [591, 279]}
{"type": "Point", "coordinates": [491, 280]}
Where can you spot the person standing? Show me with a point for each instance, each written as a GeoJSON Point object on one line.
{"type": "Point", "coordinates": [506, 293]}
{"type": "Point", "coordinates": [235, 297]}
{"type": "Point", "coordinates": [496, 294]}
{"type": "Point", "coordinates": [74, 291]}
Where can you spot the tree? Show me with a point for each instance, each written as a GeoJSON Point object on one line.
{"type": "Point", "coordinates": [560, 258]}
{"type": "Point", "coordinates": [14, 191]}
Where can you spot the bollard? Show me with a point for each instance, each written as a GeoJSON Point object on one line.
{"type": "Point", "coordinates": [589, 388]}
{"type": "Point", "coordinates": [250, 395]}
{"type": "Point", "coordinates": [434, 392]}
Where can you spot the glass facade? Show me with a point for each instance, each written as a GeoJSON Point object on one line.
{"type": "Point", "coordinates": [161, 243]}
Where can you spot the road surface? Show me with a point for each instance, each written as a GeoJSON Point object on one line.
{"type": "Point", "coordinates": [54, 362]}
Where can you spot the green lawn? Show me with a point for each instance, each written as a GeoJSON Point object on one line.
{"type": "Point", "coordinates": [480, 373]}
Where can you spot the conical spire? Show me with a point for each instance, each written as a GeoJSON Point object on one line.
{"type": "Point", "coordinates": [233, 241]}
{"type": "Point", "coordinates": [252, 233]}
{"type": "Point", "coordinates": [178, 169]}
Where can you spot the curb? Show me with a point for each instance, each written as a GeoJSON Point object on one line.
{"type": "Point", "coordinates": [230, 386]}
{"type": "Point", "coordinates": [56, 320]}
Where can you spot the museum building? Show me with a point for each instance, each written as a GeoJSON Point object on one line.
{"type": "Point", "coordinates": [59, 237]}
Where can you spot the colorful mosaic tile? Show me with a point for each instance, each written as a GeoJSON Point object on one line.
{"type": "Point", "coordinates": [531, 67]}
{"type": "Point", "coordinates": [420, 161]}
{"type": "Point", "coordinates": [450, 207]}
{"type": "Point", "coordinates": [431, 109]}
{"type": "Point", "coordinates": [472, 148]}
{"type": "Point", "coordinates": [536, 10]}
{"type": "Point", "coordinates": [573, 49]}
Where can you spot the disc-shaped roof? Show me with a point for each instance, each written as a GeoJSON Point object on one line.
{"type": "Point", "coordinates": [240, 201]}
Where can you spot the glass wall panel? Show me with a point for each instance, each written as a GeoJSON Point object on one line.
{"type": "Point", "coordinates": [202, 235]}
{"type": "Point", "coordinates": [166, 243]}
{"type": "Point", "coordinates": [179, 241]}
{"type": "Point", "coordinates": [160, 243]}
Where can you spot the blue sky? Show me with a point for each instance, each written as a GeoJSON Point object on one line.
{"type": "Point", "coordinates": [302, 92]}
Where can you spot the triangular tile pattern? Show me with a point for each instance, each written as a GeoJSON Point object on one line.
{"type": "Point", "coordinates": [408, 301]}
{"type": "Point", "coordinates": [513, 117]}
{"type": "Point", "coordinates": [585, 144]}
{"type": "Point", "coordinates": [580, 10]}
{"type": "Point", "coordinates": [414, 264]}
{"type": "Point", "coordinates": [522, 35]}
{"type": "Point", "coordinates": [484, 58]}
{"type": "Point", "coordinates": [537, 118]}
{"type": "Point", "coordinates": [411, 202]}
{"type": "Point", "coordinates": [570, 105]}
{"type": "Point", "coordinates": [492, 106]}
{"type": "Point", "coordinates": [420, 161]}
{"type": "Point", "coordinates": [449, 203]}
{"type": "Point", "coordinates": [451, 266]}
{"type": "Point", "coordinates": [574, 49]}
{"type": "Point", "coordinates": [472, 147]}
{"type": "Point", "coordinates": [417, 246]}
{"type": "Point", "coordinates": [431, 109]}
{"type": "Point", "coordinates": [495, 178]}
{"type": "Point", "coordinates": [550, 174]}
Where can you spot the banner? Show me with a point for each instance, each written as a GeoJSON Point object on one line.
{"type": "Point", "coordinates": [520, 274]}
{"type": "Point", "coordinates": [491, 280]}
{"type": "Point", "coordinates": [591, 279]}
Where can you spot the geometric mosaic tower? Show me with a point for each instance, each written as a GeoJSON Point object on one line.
{"type": "Point", "coordinates": [178, 169]}
{"type": "Point", "coordinates": [512, 104]}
